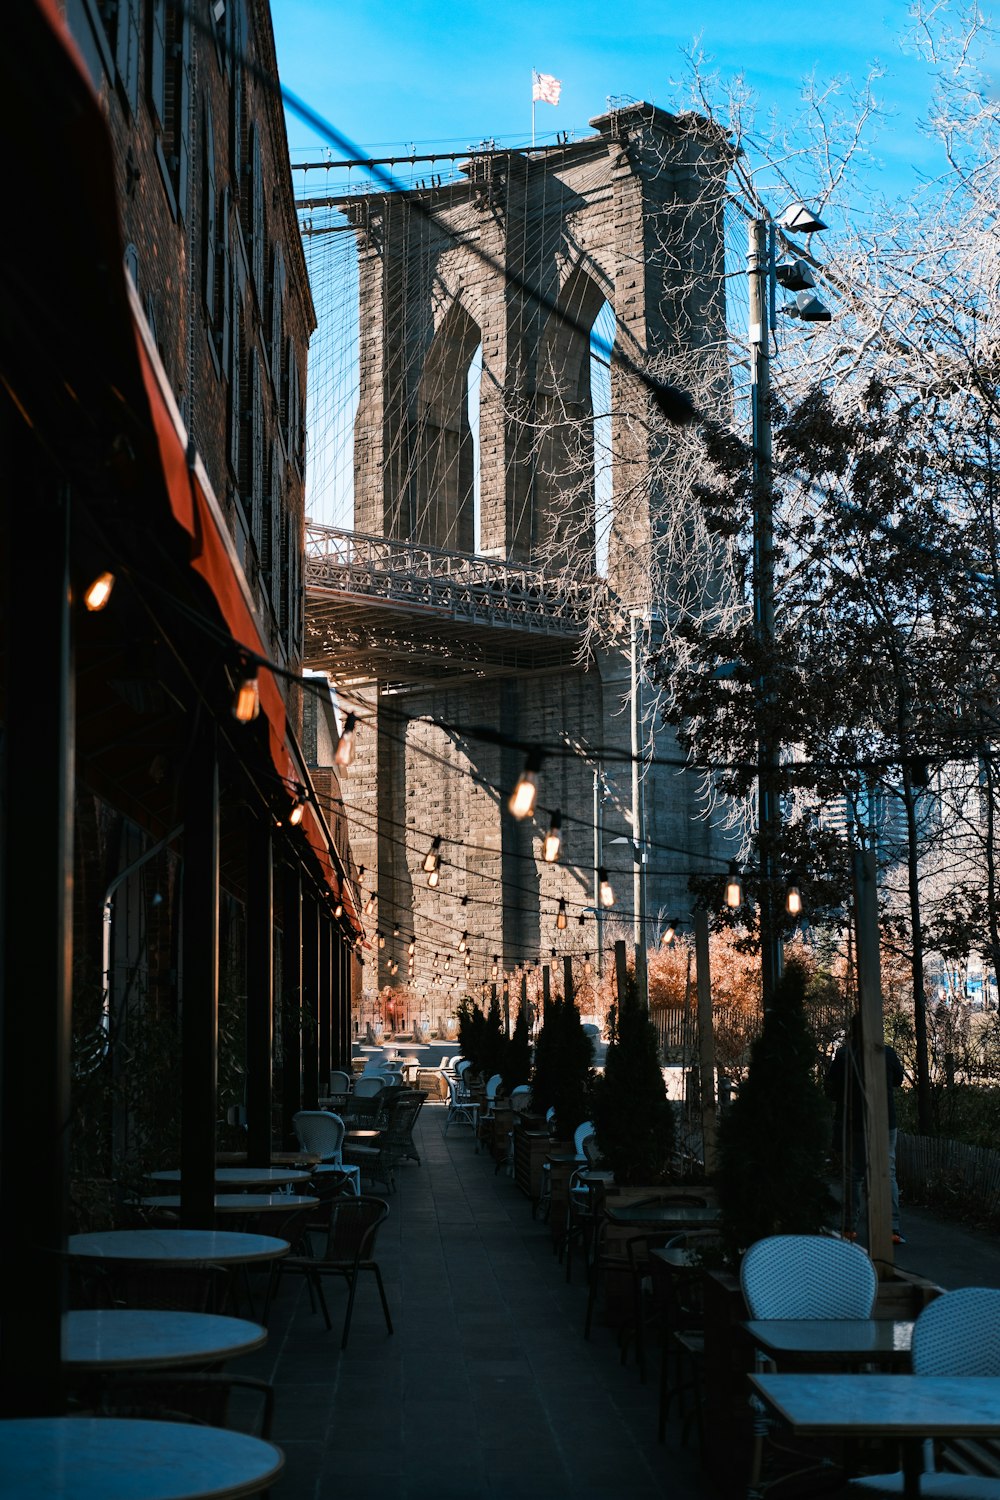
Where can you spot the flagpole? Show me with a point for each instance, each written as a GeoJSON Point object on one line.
{"type": "Point", "coordinates": [533, 109]}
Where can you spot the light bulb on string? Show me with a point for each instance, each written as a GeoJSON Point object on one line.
{"type": "Point", "coordinates": [793, 900]}
{"type": "Point", "coordinates": [338, 910]}
{"type": "Point", "coordinates": [553, 840]}
{"type": "Point", "coordinates": [463, 942]}
{"type": "Point", "coordinates": [412, 947]}
{"type": "Point", "coordinates": [370, 904]}
{"type": "Point", "coordinates": [561, 914]}
{"type": "Point", "coordinates": [246, 704]}
{"type": "Point", "coordinates": [381, 939]}
{"type": "Point", "coordinates": [97, 594]}
{"type": "Point", "coordinates": [432, 858]}
{"type": "Point", "coordinates": [605, 894]}
{"type": "Point", "coordinates": [522, 798]}
{"type": "Point", "coordinates": [434, 877]}
{"type": "Point", "coordinates": [734, 887]}
{"type": "Point", "coordinates": [586, 963]}
{"type": "Point", "coordinates": [669, 933]}
{"type": "Point", "coordinates": [344, 753]}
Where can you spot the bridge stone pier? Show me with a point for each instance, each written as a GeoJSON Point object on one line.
{"type": "Point", "coordinates": [470, 621]}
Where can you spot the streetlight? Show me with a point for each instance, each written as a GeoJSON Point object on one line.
{"type": "Point", "coordinates": [762, 272]}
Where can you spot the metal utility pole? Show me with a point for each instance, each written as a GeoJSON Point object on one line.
{"type": "Point", "coordinates": [768, 809]}
{"type": "Point", "coordinates": [636, 619]}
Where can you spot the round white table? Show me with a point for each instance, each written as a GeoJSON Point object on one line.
{"type": "Point", "coordinates": [240, 1203]}
{"type": "Point", "coordinates": [112, 1458]}
{"type": "Point", "coordinates": [150, 1339]}
{"type": "Point", "coordinates": [177, 1247]}
{"type": "Point", "coordinates": [242, 1177]}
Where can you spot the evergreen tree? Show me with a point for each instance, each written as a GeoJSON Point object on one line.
{"type": "Point", "coordinates": [773, 1143]}
{"type": "Point", "coordinates": [543, 1074]}
{"type": "Point", "coordinates": [471, 1031]}
{"type": "Point", "coordinates": [517, 1057]}
{"type": "Point", "coordinates": [574, 1075]}
{"type": "Point", "coordinates": [494, 1042]}
{"type": "Point", "coordinates": [633, 1118]}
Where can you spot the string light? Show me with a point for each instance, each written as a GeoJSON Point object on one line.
{"type": "Point", "coordinates": [495, 970]}
{"type": "Point", "coordinates": [381, 939]}
{"type": "Point", "coordinates": [586, 963]}
{"type": "Point", "coordinates": [605, 894]}
{"type": "Point", "coordinates": [553, 840]}
{"type": "Point", "coordinates": [98, 593]}
{"type": "Point", "coordinates": [522, 798]}
{"type": "Point", "coordinates": [434, 877]}
{"type": "Point", "coordinates": [433, 856]}
{"type": "Point", "coordinates": [561, 914]}
{"type": "Point", "coordinates": [344, 753]}
{"type": "Point", "coordinates": [463, 942]}
{"type": "Point", "coordinates": [338, 910]}
{"type": "Point", "coordinates": [411, 949]}
{"type": "Point", "coordinates": [793, 900]}
{"type": "Point", "coordinates": [669, 933]}
{"type": "Point", "coordinates": [297, 813]}
{"type": "Point", "coordinates": [734, 887]}
{"type": "Point", "coordinates": [246, 705]}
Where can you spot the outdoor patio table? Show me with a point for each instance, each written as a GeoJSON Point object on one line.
{"type": "Point", "coordinates": [663, 1215]}
{"type": "Point", "coordinates": [177, 1247]}
{"type": "Point", "coordinates": [908, 1407]}
{"type": "Point", "coordinates": [846, 1341]}
{"type": "Point", "coordinates": [240, 1203]}
{"type": "Point", "coordinates": [152, 1338]}
{"type": "Point", "coordinates": [113, 1458]}
{"type": "Point", "coordinates": [237, 1178]}
{"type": "Point", "coordinates": [278, 1158]}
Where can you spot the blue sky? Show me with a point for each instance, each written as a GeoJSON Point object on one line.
{"type": "Point", "coordinates": [391, 74]}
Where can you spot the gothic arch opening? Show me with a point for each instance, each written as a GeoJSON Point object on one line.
{"type": "Point", "coordinates": [563, 509]}
{"type": "Point", "coordinates": [442, 495]}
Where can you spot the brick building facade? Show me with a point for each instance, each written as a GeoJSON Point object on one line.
{"type": "Point", "coordinates": [213, 249]}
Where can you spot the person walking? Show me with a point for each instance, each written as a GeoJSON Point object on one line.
{"type": "Point", "coordinates": [844, 1084]}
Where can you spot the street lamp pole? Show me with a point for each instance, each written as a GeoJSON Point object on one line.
{"type": "Point", "coordinates": [636, 620]}
{"type": "Point", "coordinates": [761, 259]}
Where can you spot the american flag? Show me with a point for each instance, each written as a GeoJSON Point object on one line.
{"type": "Point", "coordinates": [545, 87]}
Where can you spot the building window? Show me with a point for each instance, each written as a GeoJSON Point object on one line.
{"type": "Point", "coordinates": [210, 219]}
{"type": "Point", "coordinates": [170, 96]}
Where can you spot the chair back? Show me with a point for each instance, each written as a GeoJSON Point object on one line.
{"type": "Point", "coordinates": [354, 1223]}
{"type": "Point", "coordinates": [391, 1080]}
{"type": "Point", "coordinates": [492, 1084]}
{"type": "Point", "coordinates": [580, 1134]}
{"type": "Point", "coordinates": [340, 1082]}
{"type": "Point", "coordinates": [462, 1067]}
{"type": "Point", "coordinates": [369, 1086]}
{"type": "Point", "coordinates": [372, 1065]}
{"type": "Point", "coordinates": [807, 1276]}
{"type": "Point", "coordinates": [320, 1133]}
{"type": "Point", "coordinates": [520, 1098]}
{"type": "Point", "coordinates": [959, 1334]}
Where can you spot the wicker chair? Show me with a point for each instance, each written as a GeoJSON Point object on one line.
{"type": "Point", "coordinates": [349, 1250]}
{"type": "Point", "coordinates": [801, 1276]}
{"type": "Point", "coordinates": [957, 1334]}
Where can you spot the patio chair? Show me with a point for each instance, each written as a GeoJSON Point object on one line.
{"type": "Point", "coordinates": [369, 1086]}
{"type": "Point", "coordinates": [461, 1109]}
{"type": "Point", "coordinates": [956, 1334]}
{"type": "Point", "coordinates": [801, 1276]}
{"type": "Point", "coordinates": [349, 1250]}
{"type": "Point", "coordinates": [321, 1133]}
{"type": "Point", "coordinates": [340, 1082]}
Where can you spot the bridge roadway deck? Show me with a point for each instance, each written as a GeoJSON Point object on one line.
{"type": "Point", "coordinates": [487, 1388]}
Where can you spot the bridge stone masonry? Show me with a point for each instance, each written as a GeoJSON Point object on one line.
{"type": "Point", "coordinates": [457, 643]}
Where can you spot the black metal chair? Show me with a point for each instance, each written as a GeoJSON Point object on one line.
{"type": "Point", "coordinates": [350, 1243]}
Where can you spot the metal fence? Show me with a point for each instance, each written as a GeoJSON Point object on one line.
{"type": "Point", "coordinates": [932, 1167]}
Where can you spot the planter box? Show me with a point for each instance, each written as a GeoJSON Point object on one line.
{"type": "Point", "coordinates": [531, 1147]}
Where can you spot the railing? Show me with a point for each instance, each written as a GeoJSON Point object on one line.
{"type": "Point", "coordinates": [458, 583]}
{"type": "Point", "coordinates": [942, 1171]}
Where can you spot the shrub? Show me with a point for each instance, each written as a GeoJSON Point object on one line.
{"type": "Point", "coordinates": [632, 1115]}
{"type": "Point", "coordinates": [774, 1141]}
{"type": "Point", "coordinates": [517, 1056]}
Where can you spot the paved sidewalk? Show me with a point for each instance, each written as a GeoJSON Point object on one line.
{"type": "Point", "coordinates": [487, 1387]}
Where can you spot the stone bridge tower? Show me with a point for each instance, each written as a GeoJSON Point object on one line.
{"type": "Point", "coordinates": [512, 264]}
